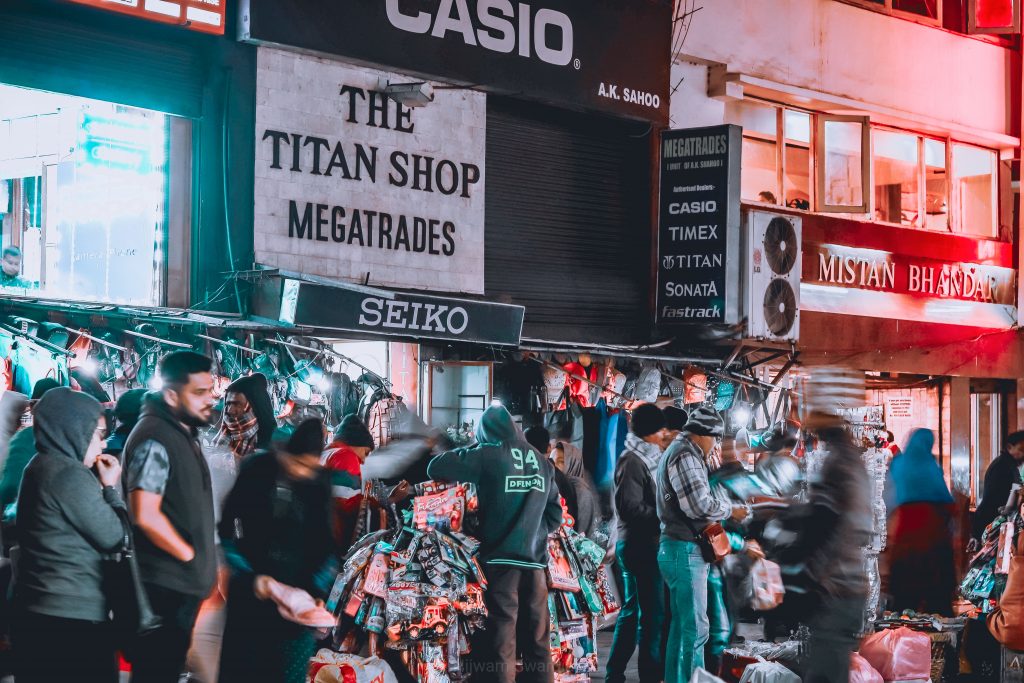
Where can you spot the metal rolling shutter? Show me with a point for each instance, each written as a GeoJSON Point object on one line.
{"type": "Point", "coordinates": [568, 221]}
{"type": "Point", "coordinates": [97, 54]}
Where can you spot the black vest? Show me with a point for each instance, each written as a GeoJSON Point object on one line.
{"type": "Point", "coordinates": [187, 503]}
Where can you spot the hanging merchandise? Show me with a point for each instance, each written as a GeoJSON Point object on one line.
{"type": "Point", "coordinates": [580, 389]}
{"type": "Point", "coordinates": [566, 424]}
{"type": "Point", "coordinates": [696, 381]}
{"type": "Point", "coordinates": [614, 387]}
{"type": "Point", "coordinates": [580, 597]}
{"type": "Point", "coordinates": [554, 382]}
{"type": "Point", "coordinates": [519, 384]}
{"type": "Point", "coordinates": [648, 385]}
{"type": "Point", "coordinates": [418, 587]}
{"type": "Point", "coordinates": [334, 667]}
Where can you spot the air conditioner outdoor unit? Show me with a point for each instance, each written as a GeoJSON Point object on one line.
{"type": "Point", "coordinates": [772, 295]}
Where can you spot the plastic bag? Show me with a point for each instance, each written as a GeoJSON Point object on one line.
{"type": "Point", "coordinates": [768, 672]}
{"type": "Point", "coordinates": [767, 583]}
{"type": "Point", "coordinates": [899, 654]}
{"type": "Point", "coordinates": [861, 671]}
{"type": "Point", "coordinates": [704, 676]}
{"type": "Point", "coordinates": [333, 667]}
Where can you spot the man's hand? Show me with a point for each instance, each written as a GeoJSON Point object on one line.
{"type": "Point", "coordinates": [108, 469]}
{"type": "Point", "coordinates": [399, 493]}
{"type": "Point", "coordinates": [261, 586]}
{"type": "Point", "coordinates": [973, 545]}
{"type": "Point", "coordinates": [753, 550]}
{"type": "Point", "coordinates": [739, 513]}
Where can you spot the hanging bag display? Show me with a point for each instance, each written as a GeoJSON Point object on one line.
{"type": "Point", "coordinates": [566, 424]}
{"type": "Point", "coordinates": [129, 603]}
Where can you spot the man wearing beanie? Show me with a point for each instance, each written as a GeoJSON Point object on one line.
{"type": "Point", "coordinates": [686, 505]}
{"type": "Point", "coordinates": [344, 458]}
{"type": "Point", "coordinates": [642, 615]}
{"type": "Point", "coordinates": [519, 507]}
{"type": "Point", "coordinates": [20, 452]}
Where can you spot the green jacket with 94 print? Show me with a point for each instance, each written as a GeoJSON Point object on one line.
{"type": "Point", "coordinates": [519, 502]}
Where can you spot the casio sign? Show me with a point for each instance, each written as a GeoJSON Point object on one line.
{"type": "Point", "coordinates": [499, 26]}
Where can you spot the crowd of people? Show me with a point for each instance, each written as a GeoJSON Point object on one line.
{"type": "Point", "coordinates": [76, 497]}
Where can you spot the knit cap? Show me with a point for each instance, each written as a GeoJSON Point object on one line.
{"type": "Point", "coordinates": [705, 421]}
{"type": "Point", "coordinates": [646, 419]}
{"type": "Point", "coordinates": [675, 418]}
{"type": "Point", "coordinates": [352, 432]}
{"type": "Point", "coordinates": [307, 438]}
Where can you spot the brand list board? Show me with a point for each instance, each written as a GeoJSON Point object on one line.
{"type": "Point", "coordinates": [699, 226]}
{"type": "Point", "coordinates": [354, 185]}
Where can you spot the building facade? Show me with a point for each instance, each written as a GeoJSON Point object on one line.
{"type": "Point", "coordinates": [892, 135]}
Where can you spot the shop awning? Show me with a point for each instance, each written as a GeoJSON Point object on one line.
{"type": "Point", "coordinates": [303, 301]}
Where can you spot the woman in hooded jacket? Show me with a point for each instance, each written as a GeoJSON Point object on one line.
{"type": "Point", "coordinates": [920, 544]}
{"type": "Point", "coordinates": [60, 628]}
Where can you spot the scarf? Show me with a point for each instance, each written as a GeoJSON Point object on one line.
{"type": "Point", "coordinates": [239, 434]}
{"type": "Point", "coordinates": [649, 453]}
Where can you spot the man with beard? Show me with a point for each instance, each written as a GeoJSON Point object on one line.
{"type": "Point", "coordinates": [171, 501]}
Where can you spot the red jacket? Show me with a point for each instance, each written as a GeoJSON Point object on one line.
{"type": "Point", "coordinates": [346, 487]}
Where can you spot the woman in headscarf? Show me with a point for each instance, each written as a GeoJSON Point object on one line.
{"type": "Point", "coordinates": [248, 421]}
{"type": "Point", "coordinates": [275, 528]}
{"type": "Point", "coordinates": [68, 523]}
{"type": "Point", "coordinates": [920, 543]}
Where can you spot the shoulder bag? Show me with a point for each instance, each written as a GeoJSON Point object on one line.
{"type": "Point", "coordinates": [712, 540]}
{"type": "Point", "coordinates": [133, 615]}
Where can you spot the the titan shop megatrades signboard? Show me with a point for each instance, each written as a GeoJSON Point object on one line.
{"type": "Point", "coordinates": [611, 56]}
{"type": "Point", "coordinates": [856, 268]}
{"type": "Point", "coordinates": [352, 185]}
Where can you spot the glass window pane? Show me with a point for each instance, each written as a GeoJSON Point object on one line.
{"type": "Point", "coordinates": [896, 177]}
{"type": "Point", "coordinates": [759, 177]}
{"type": "Point", "coordinates": [798, 159]}
{"type": "Point", "coordinates": [87, 187]}
{"type": "Point", "coordinates": [844, 182]}
{"type": "Point", "coordinates": [975, 179]}
{"type": "Point", "coordinates": [923, 8]}
{"type": "Point", "coordinates": [936, 185]}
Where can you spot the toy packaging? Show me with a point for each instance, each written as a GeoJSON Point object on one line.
{"type": "Point", "coordinates": [418, 588]}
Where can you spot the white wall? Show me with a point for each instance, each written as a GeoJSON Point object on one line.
{"type": "Point", "coordinates": [847, 51]}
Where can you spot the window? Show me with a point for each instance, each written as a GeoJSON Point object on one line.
{"type": "Point", "coordinates": [993, 16]}
{"type": "Point", "coordinates": [83, 197]}
{"type": "Point", "coordinates": [760, 157]}
{"type": "Point", "coordinates": [929, 11]}
{"type": "Point", "coordinates": [895, 176]}
{"type": "Point", "coordinates": [975, 188]}
{"type": "Point", "coordinates": [843, 151]}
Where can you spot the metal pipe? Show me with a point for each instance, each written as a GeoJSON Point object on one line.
{"type": "Point", "coordinates": [232, 345]}
{"type": "Point", "coordinates": [103, 342]}
{"type": "Point", "coordinates": [165, 342]}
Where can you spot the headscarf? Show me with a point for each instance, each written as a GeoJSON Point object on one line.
{"type": "Point", "coordinates": [65, 421]}
{"type": "Point", "coordinates": [915, 476]}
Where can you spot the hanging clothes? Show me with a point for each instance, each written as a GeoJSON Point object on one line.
{"type": "Point", "coordinates": [591, 439]}
{"type": "Point", "coordinates": [520, 386]}
{"type": "Point", "coordinates": [614, 427]}
{"type": "Point", "coordinates": [579, 389]}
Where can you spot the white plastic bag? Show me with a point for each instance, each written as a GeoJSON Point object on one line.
{"type": "Point", "coordinates": [768, 672]}
{"type": "Point", "coordinates": [704, 676]}
{"type": "Point", "coordinates": [766, 578]}
{"type": "Point", "coordinates": [329, 667]}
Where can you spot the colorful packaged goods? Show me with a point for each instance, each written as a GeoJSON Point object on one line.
{"type": "Point", "coordinates": [418, 588]}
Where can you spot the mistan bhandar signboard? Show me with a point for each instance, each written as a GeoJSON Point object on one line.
{"type": "Point", "coordinates": [351, 184]}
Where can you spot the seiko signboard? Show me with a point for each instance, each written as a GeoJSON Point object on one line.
{"type": "Point", "coordinates": [568, 52]}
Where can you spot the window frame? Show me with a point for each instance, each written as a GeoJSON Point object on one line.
{"type": "Point", "coordinates": [867, 210]}
{"type": "Point", "coordinates": [885, 7]}
{"type": "Point", "coordinates": [867, 178]}
{"type": "Point", "coordinates": [972, 25]}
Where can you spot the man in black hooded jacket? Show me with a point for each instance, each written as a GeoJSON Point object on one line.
{"type": "Point", "coordinates": [519, 508]}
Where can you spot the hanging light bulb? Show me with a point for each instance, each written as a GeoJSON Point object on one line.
{"type": "Point", "coordinates": [156, 384]}
{"type": "Point", "coordinates": [90, 367]}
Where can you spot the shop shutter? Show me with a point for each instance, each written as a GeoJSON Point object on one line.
{"type": "Point", "coordinates": [568, 221]}
{"type": "Point", "coordinates": [97, 54]}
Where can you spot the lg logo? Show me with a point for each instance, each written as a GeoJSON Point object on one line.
{"type": "Point", "coordinates": [498, 25]}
